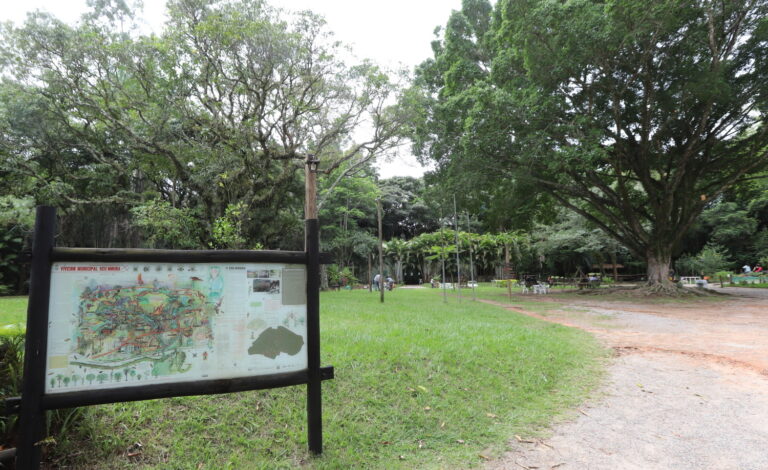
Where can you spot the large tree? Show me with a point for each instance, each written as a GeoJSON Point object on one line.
{"type": "Point", "coordinates": [215, 116]}
{"type": "Point", "coordinates": [634, 113]}
{"type": "Point", "coordinates": [406, 212]}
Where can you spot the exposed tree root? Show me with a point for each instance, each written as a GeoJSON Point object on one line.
{"type": "Point", "coordinates": [653, 290]}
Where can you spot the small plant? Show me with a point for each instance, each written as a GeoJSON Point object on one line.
{"type": "Point", "coordinates": [723, 275]}
{"type": "Point", "coordinates": [11, 366]}
{"type": "Point", "coordinates": [347, 278]}
{"type": "Point", "coordinates": [334, 275]}
{"type": "Point", "coordinates": [341, 277]}
{"type": "Point", "coordinates": [228, 230]}
{"type": "Point", "coordinates": [58, 422]}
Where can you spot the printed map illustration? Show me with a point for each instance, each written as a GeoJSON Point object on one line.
{"type": "Point", "coordinates": [133, 324]}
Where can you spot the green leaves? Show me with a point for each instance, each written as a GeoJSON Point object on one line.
{"type": "Point", "coordinates": [166, 226]}
{"type": "Point", "coordinates": [218, 110]}
{"type": "Point", "coordinates": [624, 111]}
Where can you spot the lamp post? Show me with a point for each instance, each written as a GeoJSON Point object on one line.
{"type": "Point", "coordinates": [310, 169]}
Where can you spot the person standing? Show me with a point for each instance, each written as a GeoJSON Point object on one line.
{"type": "Point", "coordinates": [376, 281]}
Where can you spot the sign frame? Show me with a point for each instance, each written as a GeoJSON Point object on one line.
{"type": "Point", "coordinates": [35, 402]}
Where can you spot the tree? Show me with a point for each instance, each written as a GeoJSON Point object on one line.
{"type": "Point", "coordinates": [406, 213]}
{"type": "Point", "coordinates": [16, 222]}
{"type": "Point", "coordinates": [347, 216]}
{"type": "Point", "coordinates": [632, 113]}
{"type": "Point", "coordinates": [709, 261]}
{"type": "Point", "coordinates": [214, 117]}
{"type": "Point", "coordinates": [571, 243]}
{"type": "Point", "coordinates": [731, 228]}
{"type": "Point", "coordinates": [398, 250]}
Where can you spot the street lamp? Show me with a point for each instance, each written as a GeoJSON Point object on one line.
{"type": "Point", "coordinates": [312, 163]}
{"type": "Point", "coordinates": [310, 208]}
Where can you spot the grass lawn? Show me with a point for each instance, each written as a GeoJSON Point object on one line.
{"type": "Point", "coordinates": [13, 314]}
{"type": "Point", "coordinates": [419, 384]}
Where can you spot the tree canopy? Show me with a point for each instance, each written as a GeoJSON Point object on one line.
{"type": "Point", "coordinates": [210, 120]}
{"type": "Point", "coordinates": [636, 114]}
{"type": "Point", "coordinates": [644, 119]}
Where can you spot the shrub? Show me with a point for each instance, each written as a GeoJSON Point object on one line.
{"type": "Point", "coordinates": [710, 260]}
{"type": "Point", "coordinates": [724, 275]}
{"type": "Point", "coordinates": [341, 277]}
{"type": "Point", "coordinates": [57, 422]}
{"type": "Point", "coordinates": [11, 366]}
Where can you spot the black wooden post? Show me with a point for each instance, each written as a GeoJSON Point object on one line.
{"type": "Point", "coordinates": [314, 401]}
{"type": "Point", "coordinates": [32, 415]}
{"type": "Point", "coordinates": [312, 245]}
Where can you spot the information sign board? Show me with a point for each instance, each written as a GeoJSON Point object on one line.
{"type": "Point", "coordinates": [106, 325]}
{"type": "Point", "coordinates": [114, 325]}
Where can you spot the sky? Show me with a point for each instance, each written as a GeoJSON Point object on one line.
{"type": "Point", "coordinates": [393, 33]}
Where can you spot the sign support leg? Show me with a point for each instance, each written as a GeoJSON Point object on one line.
{"type": "Point", "coordinates": [312, 247]}
{"type": "Point", "coordinates": [314, 396]}
{"type": "Point", "coordinates": [32, 415]}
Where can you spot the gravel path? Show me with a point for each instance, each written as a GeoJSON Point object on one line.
{"type": "Point", "coordinates": [687, 390]}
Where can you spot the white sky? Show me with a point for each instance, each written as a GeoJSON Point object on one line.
{"type": "Point", "coordinates": [393, 33]}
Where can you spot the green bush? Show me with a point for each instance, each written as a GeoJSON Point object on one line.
{"type": "Point", "coordinates": [341, 277]}
{"type": "Point", "coordinates": [11, 366]}
{"type": "Point", "coordinates": [709, 261]}
{"type": "Point", "coordinates": [57, 422]}
{"type": "Point", "coordinates": [16, 218]}
{"type": "Point", "coordinates": [722, 276]}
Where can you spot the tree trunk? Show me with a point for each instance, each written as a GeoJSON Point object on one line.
{"type": "Point", "coordinates": [658, 267]}
{"type": "Point", "coordinates": [381, 253]}
{"type": "Point", "coordinates": [323, 277]}
{"type": "Point", "coordinates": [370, 274]}
{"type": "Point", "coordinates": [507, 272]}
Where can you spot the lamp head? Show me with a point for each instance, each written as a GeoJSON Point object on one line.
{"type": "Point", "coordinates": [312, 162]}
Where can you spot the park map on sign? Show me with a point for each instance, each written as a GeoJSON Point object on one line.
{"type": "Point", "coordinates": [122, 326]}
{"type": "Point", "coordinates": [134, 324]}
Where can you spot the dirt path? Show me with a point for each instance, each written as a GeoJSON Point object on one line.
{"type": "Point", "coordinates": [687, 390]}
